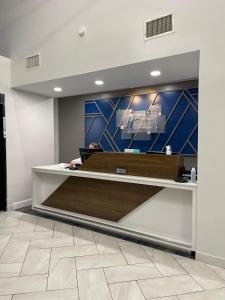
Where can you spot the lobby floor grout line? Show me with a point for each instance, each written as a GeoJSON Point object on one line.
{"type": "Point", "coordinates": [123, 254]}
{"type": "Point", "coordinates": [49, 268]}
{"type": "Point", "coordinates": [96, 244]}
{"type": "Point", "coordinates": [18, 276]}
{"type": "Point", "coordinates": [141, 289]}
{"type": "Point", "coordinates": [36, 224]}
{"type": "Point", "coordinates": [6, 245]}
{"type": "Point", "coordinates": [53, 230]}
{"type": "Point", "coordinates": [100, 267]}
{"type": "Point", "coordinates": [24, 259]}
{"type": "Point", "coordinates": [177, 295]}
{"type": "Point", "coordinates": [152, 260]}
{"type": "Point", "coordinates": [75, 261]}
{"type": "Point", "coordinates": [163, 276]}
{"type": "Point", "coordinates": [73, 231]}
{"type": "Point", "coordinates": [24, 276]}
{"type": "Point", "coordinates": [37, 292]}
{"type": "Point", "coordinates": [107, 283]}
{"type": "Point", "coordinates": [196, 292]}
{"type": "Point", "coordinates": [124, 281]}
{"type": "Point", "coordinates": [191, 276]}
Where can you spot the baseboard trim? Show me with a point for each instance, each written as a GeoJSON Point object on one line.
{"type": "Point", "coordinates": [210, 259]}
{"type": "Point", "coordinates": [20, 204]}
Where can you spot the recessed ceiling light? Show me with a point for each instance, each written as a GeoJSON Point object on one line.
{"type": "Point", "coordinates": [155, 73]}
{"type": "Point", "coordinates": [99, 82]}
{"type": "Point", "coordinates": [57, 89]}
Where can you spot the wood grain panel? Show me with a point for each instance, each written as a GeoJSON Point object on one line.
{"type": "Point", "coordinates": [109, 200]}
{"type": "Point", "coordinates": [147, 165]}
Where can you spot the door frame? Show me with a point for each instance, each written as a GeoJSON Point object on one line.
{"type": "Point", "coordinates": [3, 169]}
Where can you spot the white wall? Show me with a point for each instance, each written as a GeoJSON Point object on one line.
{"type": "Point", "coordinates": [115, 37]}
{"type": "Point", "coordinates": [115, 34]}
{"type": "Point", "coordinates": [30, 136]}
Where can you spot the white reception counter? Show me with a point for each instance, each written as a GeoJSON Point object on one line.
{"type": "Point", "coordinates": [169, 217]}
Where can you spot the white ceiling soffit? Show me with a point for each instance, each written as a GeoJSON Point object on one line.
{"type": "Point", "coordinates": [173, 69]}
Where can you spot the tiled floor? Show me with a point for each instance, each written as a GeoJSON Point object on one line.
{"type": "Point", "coordinates": [48, 260]}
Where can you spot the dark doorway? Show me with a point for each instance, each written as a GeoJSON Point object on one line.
{"type": "Point", "coordinates": [2, 155]}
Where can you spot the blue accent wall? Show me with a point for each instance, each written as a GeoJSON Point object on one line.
{"type": "Point", "coordinates": [179, 106]}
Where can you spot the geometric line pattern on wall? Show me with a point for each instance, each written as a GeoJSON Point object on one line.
{"type": "Point", "coordinates": [179, 106]}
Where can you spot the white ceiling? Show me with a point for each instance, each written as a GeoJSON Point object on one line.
{"type": "Point", "coordinates": [13, 14]}
{"type": "Point", "coordinates": [173, 69]}
{"type": "Point", "coordinates": [25, 25]}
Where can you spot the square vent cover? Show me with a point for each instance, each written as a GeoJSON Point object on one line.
{"type": "Point", "coordinates": [158, 27]}
{"type": "Point", "coordinates": [32, 62]}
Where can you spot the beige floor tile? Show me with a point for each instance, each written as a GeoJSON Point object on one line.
{"type": "Point", "coordinates": [167, 298]}
{"type": "Point", "coordinates": [70, 294]}
{"type": "Point", "coordinates": [106, 244]}
{"type": "Point", "coordinates": [18, 229]}
{"type": "Point", "coordinates": [206, 295]}
{"type": "Point", "coordinates": [74, 251]}
{"type": "Point", "coordinates": [168, 286]}
{"type": "Point", "coordinates": [24, 284]}
{"type": "Point", "coordinates": [120, 240]}
{"type": "Point", "coordinates": [126, 291]}
{"type": "Point", "coordinates": [4, 239]}
{"type": "Point", "coordinates": [92, 285]}
{"type": "Point", "coordinates": [15, 252]}
{"type": "Point", "coordinates": [44, 224]}
{"type": "Point", "coordinates": [83, 236]}
{"type": "Point", "coordinates": [62, 230]}
{"type": "Point", "coordinates": [14, 214]}
{"type": "Point", "coordinates": [219, 271]}
{"type": "Point", "coordinates": [166, 264]}
{"type": "Point", "coordinates": [6, 297]}
{"type": "Point", "coordinates": [28, 220]}
{"type": "Point", "coordinates": [62, 274]}
{"type": "Point", "coordinates": [32, 236]}
{"type": "Point", "coordinates": [148, 251]}
{"type": "Point", "coordinates": [10, 270]}
{"type": "Point", "coordinates": [134, 253]}
{"type": "Point", "coordinates": [9, 222]}
{"type": "Point", "coordinates": [100, 261]}
{"type": "Point", "coordinates": [98, 236]}
{"type": "Point", "coordinates": [203, 274]}
{"type": "Point", "coordinates": [51, 243]}
{"type": "Point", "coordinates": [36, 262]}
{"type": "Point", "coordinates": [131, 272]}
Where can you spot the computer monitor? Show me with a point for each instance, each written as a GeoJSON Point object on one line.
{"type": "Point", "coordinates": [85, 153]}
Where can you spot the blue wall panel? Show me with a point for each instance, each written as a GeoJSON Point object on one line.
{"type": "Point", "coordinates": [179, 106]}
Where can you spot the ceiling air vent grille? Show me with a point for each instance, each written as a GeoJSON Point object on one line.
{"type": "Point", "coordinates": [33, 62]}
{"type": "Point", "coordinates": [159, 26]}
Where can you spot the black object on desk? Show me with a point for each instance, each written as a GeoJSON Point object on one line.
{"type": "Point", "coordinates": [72, 168]}
{"type": "Point", "coordinates": [85, 153]}
{"type": "Point", "coordinates": [181, 179]}
{"type": "Point", "coordinates": [160, 153]}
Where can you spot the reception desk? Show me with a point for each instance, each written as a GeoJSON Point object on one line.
{"type": "Point", "coordinates": [154, 209]}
